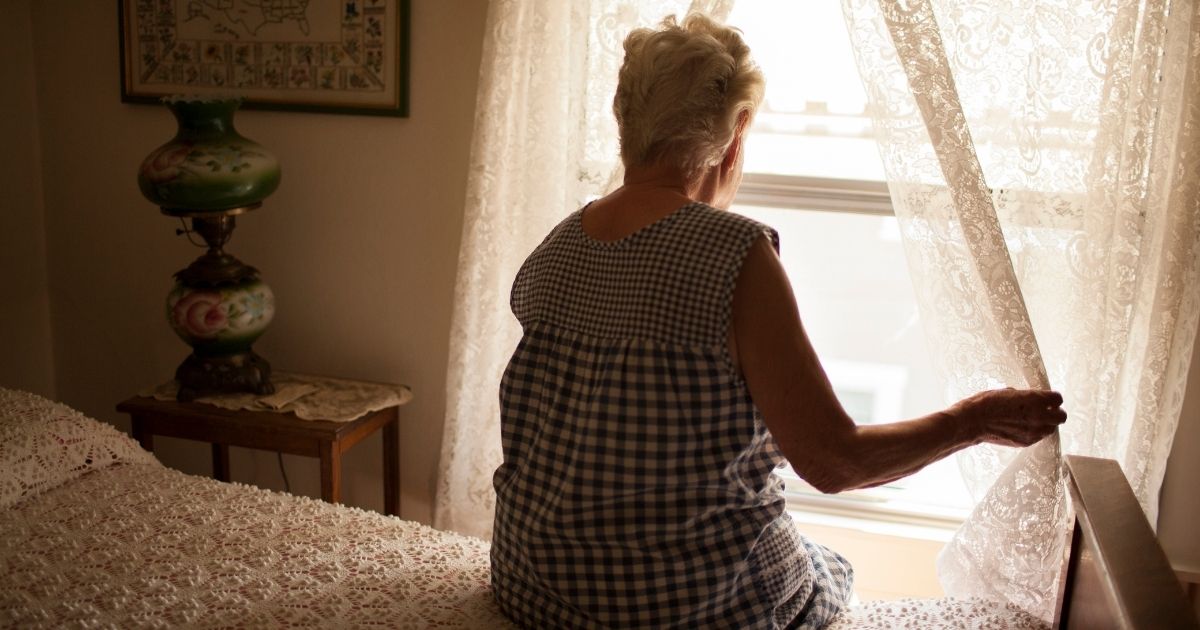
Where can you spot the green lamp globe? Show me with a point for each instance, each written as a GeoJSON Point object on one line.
{"type": "Point", "coordinates": [208, 166]}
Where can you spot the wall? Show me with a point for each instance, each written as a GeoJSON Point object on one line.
{"type": "Point", "coordinates": [359, 243]}
{"type": "Point", "coordinates": [25, 316]}
{"type": "Point", "coordinates": [1180, 507]}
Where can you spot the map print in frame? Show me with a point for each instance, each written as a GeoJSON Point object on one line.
{"type": "Point", "coordinates": [337, 56]}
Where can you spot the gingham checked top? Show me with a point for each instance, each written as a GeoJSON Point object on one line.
{"type": "Point", "coordinates": [636, 488]}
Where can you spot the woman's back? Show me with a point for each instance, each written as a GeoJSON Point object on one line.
{"type": "Point", "coordinates": [636, 486]}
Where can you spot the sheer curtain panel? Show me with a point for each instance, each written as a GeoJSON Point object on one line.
{"type": "Point", "coordinates": [1042, 157]}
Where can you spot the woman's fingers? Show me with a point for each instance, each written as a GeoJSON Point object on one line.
{"type": "Point", "coordinates": [1019, 417]}
{"type": "Point", "coordinates": [1052, 398]}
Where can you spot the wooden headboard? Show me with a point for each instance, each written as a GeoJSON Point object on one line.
{"type": "Point", "coordinates": [1115, 573]}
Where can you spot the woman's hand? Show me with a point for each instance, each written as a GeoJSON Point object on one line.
{"type": "Point", "coordinates": [1011, 417]}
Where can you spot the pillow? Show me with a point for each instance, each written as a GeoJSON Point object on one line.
{"type": "Point", "coordinates": [44, 444]}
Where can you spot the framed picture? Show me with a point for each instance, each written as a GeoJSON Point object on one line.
{"type": "Point", "coordinates": [334, 56]}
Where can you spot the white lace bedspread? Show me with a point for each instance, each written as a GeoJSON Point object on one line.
{"type": "Point", "coordinates": [137, 545]}
{"type": "Point", "coordinates": [935, 614]}
{"type": "Point", "coordinates": [44, 444]}
{"type": "Point", "coordinates": [146, 546]}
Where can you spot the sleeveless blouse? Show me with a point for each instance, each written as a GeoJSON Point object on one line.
{"type": "Point", "coordinates": [636, 486]}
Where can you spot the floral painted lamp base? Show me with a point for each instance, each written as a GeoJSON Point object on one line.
{"type": "Point", "coordinates": [220, 323]}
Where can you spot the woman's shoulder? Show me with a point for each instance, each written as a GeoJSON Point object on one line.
{"type": "Point", "coordinates": [566, 227]}
{"type": "Point", "coordinates": [702, 218]}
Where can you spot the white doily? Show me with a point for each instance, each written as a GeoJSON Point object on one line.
{"type": "Point", "coordinates": [309, 397]}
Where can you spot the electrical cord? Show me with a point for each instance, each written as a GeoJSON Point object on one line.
{"type": "Point", "coordinates": [287, 487]}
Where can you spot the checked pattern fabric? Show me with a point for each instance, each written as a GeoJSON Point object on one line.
{"type": "Point", "coordinates": [636, 487]}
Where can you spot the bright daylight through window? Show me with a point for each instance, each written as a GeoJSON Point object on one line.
{"type": "Point", "coordinates": [813, 172]}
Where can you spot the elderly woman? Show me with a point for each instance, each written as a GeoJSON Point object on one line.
{"type": "Point", "coordinates": [664, 373]}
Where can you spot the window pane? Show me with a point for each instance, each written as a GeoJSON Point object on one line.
{"type": "Point", "coordinates": [851, 283]}
{"type": "Point", "coordinates": [813, 121]}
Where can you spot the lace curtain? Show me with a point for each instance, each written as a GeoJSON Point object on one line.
{"type": "Point", "coordinates": [545, 141]}
{"type": "Point", "coordinates": [1042, 159]}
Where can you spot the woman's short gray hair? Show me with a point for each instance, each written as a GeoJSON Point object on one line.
{"type": "Point", "coordinates": [681, 91]}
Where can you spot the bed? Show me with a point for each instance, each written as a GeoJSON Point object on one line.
{"type": "Point", "coordinates": [94, 532]}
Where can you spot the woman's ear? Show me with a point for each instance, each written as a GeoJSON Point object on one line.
{"type": "Point", "coordinates": [733, 152]}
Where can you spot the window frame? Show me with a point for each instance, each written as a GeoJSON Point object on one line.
{"type": "Point", "coordinates": [796, 192]}
{"type": "Point", "coordinates": [869, 197]}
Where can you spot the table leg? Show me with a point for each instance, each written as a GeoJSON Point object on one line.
{"type": "Point", "coordinates": [220, 456]}
{"type": "Point", "coordinates": [391, 468]}
{"type": "Point", "coordinates": [331, 472]}
{"type": "Point", "coordinates": [141, 432]}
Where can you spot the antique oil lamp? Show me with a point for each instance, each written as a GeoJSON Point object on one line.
{"type": "Point", "coordinates": [208, 174]}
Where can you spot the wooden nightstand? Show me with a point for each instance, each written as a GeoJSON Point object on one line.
{"type": "Point", "coordinates": [272, 431]}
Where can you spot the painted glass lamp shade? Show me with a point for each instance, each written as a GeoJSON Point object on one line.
{"type": "Point", "coordinates": [208, 167]}
{"type": "Point", "coordinates": [209, 174]}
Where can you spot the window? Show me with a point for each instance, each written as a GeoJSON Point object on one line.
{"type": "Point", "coordinates": [813, 172]}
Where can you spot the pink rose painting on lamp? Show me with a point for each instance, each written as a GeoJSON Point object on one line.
{"type": "Point", "coordinates": [200, 314]}
{"type": "Point", "coordinates": [164, 165]}
{"type": "Point", "coordinates": [223, 319]}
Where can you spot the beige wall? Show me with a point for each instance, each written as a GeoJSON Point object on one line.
{"type": "Point", "coordinates": [25, 311]}
{"type": "Point", "coordinates": [1179, 519]}
{"type": "Point", "coordinates": [359, 243]}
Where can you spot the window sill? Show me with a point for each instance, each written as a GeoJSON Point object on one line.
{"type": "Point", "coordinates": [937, 533]}
{"type": "Point", "coordinates": [891, 560]}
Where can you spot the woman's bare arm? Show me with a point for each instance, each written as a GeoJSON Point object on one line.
{"type": "Point", "coordinates": [821, 441]}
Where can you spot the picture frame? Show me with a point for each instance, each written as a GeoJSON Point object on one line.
{"type": "Point", "coordinates": [326, 56]}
